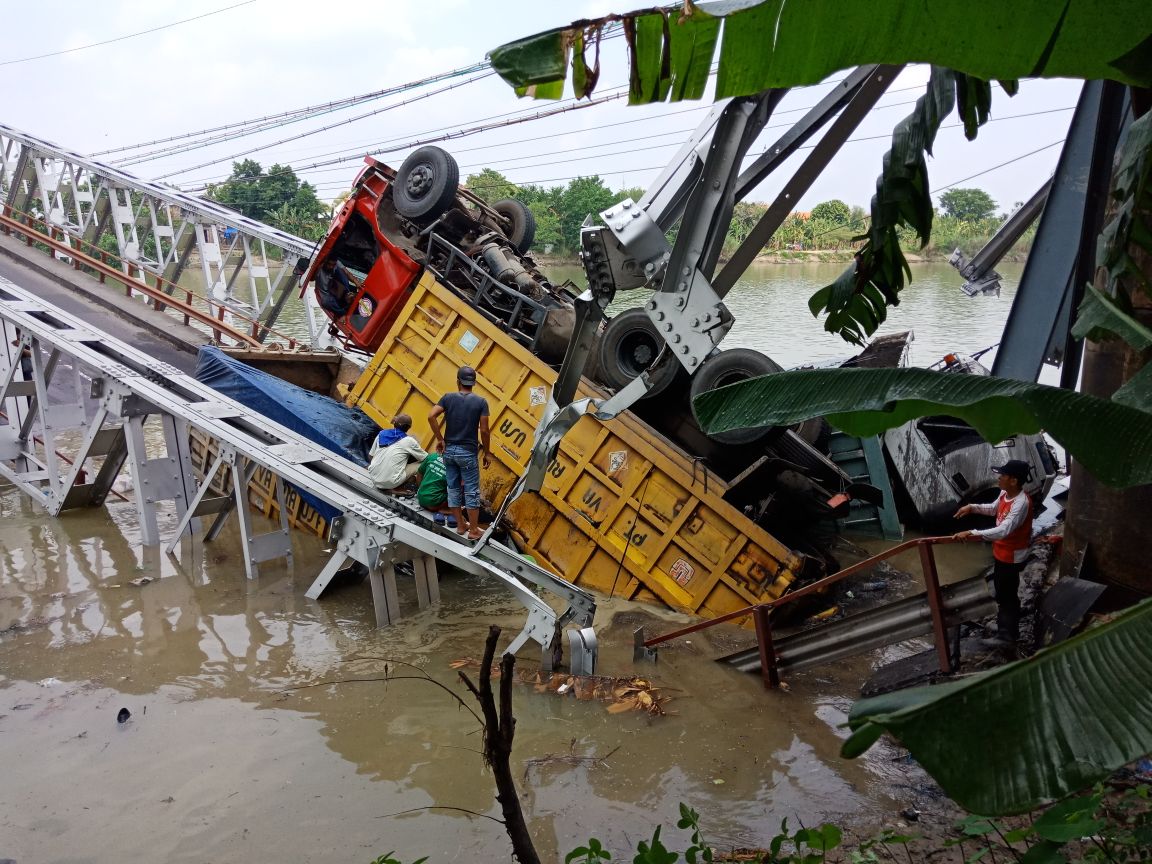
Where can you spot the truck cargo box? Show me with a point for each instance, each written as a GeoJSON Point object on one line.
{"type": "Point", "coordinates": [622, 511]}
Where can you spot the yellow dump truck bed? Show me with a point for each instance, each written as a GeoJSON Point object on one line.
{"type": "Point", "coordinates": [622, 510]}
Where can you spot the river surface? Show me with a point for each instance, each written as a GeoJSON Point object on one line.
{"type": "Point", "coordinates": [222, 760]}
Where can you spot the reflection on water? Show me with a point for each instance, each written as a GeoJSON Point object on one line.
{"type": "Point", "coordinates": [770, 303]}
{"type": "Point", "coordinates": [221, 757]}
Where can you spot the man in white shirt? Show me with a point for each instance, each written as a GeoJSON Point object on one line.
{"type": "Point", "coordinates": [396, 455]}
{"type": "Point", "coordinates": [1010, 538]}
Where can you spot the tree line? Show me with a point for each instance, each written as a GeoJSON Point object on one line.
{"type": "Point", "coordinates": [966, 218]}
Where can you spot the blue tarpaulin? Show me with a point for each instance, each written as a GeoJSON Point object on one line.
{"type": "Point", "coordinates": [324, 421]}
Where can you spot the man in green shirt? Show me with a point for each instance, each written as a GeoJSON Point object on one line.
{"type": "Point", "coordinates": [433, 492]}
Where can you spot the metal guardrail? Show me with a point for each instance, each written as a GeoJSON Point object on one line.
{"type": "Point", "coordinates": [490, 293]}
{"type": "Point", "coordinates": [164, 295]}
{"type": "Point", "coordinates": [770, 663]}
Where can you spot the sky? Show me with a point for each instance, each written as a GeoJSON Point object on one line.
{"type": "Point", "coordinates": [264, 57]}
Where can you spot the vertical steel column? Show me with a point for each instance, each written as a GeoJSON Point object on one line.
{"type": "Point", "coordinates": [385, 597]}
{"type": "Point", "coordinates": [137, 459]}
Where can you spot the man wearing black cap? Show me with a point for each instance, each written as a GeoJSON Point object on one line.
{"type": "Point", "coordinates": [1010, 539]}
{"type": "Point", "coordinates": [465, 418]}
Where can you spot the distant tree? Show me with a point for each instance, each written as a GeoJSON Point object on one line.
{"type": "Point", "coordinates": [633, 192]}
{"type": "Point", "coordinates": [835, 212]}
{"type": "Point", "coordinates": [256, 193]}
{"type": "Point", "coordinates": [969, 205]}
{"type": "Point", "coordinates": [582, 196]}
{"type": "Point", "coordinates": [492, 186]}
{"type": "Point", "coordinates": [294, 220]}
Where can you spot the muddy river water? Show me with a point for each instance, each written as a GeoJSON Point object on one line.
{"type": "Point", "coordinates": [225, 757]}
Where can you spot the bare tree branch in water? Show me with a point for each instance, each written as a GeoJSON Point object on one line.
{"type": "Point", "coordinates": [499, 729]}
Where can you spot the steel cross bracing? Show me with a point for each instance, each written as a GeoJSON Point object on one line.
{"type": "Point", "coordinates": [699, 188]}
{"type": "Point", "coordinates": [61, 381]}
{"type": "Point", "coordinates": [157, 228]}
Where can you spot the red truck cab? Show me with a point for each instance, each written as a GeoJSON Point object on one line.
{"type": "Point", "coordinates": [396, 223]}
{"type": "Point", "coordinates": [383, 271]}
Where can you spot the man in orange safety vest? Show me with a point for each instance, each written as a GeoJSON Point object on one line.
{"type": "Point", "coordinates": [1010, 538]}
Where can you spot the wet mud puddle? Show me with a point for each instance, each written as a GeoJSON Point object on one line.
{"type": "Point", "coordinates": [231, 754]}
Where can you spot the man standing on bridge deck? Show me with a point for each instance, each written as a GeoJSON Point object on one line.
{"type": "Point", "coordinates": [1010, 540]}
{"type": "Point", "coordinates": [465, 416]}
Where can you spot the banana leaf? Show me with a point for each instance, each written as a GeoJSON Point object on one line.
{"type": "Point", "coordinates": [780, 44]}
{"type": "Point", "coordinates": [1030, 732]}
{"type": "Point", "coordinates": [1111, 440]}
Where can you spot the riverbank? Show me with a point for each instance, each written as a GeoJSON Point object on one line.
{"type": "Point", "coordinates": [803, 256]}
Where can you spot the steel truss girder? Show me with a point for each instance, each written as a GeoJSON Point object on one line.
{"type": "Point", "coordinates": [134, 385]}
{"type": "Point", "coordinates": [155, 226]}
{"type": "Point", "coordinates": [1062, 257]}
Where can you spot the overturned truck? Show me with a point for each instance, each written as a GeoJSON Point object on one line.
{"type": "Point", "coordinates": [628, 494]}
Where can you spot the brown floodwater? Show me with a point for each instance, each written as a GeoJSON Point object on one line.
{"type": "Point", "coordinates": [222, 761]}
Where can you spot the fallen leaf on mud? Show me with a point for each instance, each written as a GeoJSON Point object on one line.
{"type": "Point", "coordinates": [622, 694]}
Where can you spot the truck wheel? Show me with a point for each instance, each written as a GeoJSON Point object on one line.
{"type": "Point", "coordinates": [523, 223]}
{"type": "Point", "coordinates": [629, 345]}
{"type": "Point", "coordinates": [730, 367]}
{"type": "Point", "coordinates": [426, 184]}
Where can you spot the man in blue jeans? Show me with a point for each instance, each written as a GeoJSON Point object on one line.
{"type": "Point", "coordinates": [465, 420]}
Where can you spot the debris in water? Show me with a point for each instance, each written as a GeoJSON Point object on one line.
{"type": "Point", "coordinates": [623, 694]}
{"type": "Point", "coordinates": [123, 715]}
{"type": "Point", "coordinates": [911, 814]}
{"type": "Point", "coordinates": [48, 682]}
{"type": "Point", "coordinates": [143, 580]}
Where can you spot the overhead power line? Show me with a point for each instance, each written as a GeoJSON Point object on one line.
{"type": "Point", "coordinates": [127, 36]}
{"type": "Point", "coordinates": [146, 158]}
{"type": "Point", "coordinates": [303, 113]}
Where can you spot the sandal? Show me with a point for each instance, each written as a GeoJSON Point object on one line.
{"type": "Point", "coordinates": [475, 535]}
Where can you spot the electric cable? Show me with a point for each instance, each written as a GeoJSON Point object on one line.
{"type": "Point", "coordinates": [127, 36]}
{"type": "Point", "coordinates": [302, 113]}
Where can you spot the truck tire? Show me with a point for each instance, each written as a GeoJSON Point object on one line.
{"type": "Point", "coordinates": [730, 367]}
{"type": "Point", "coordinates": [523, 221]}
{"type": "Point", "coordinates": [629, 345]}
{"type": "Point", "coordinates": [426, 184]}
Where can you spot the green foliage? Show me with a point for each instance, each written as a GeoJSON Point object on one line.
{"type": "Point", "coordinates": [968, 205]}
{"type": "Point", "coordinates": [1096, 827]}
{"type": "Point", "coordinates": [492, 186]}
{"type": "Point", "coordinates": [582, 196]}
{"type": "Point", "coordinates": [590, 854]}
{"type": "Point", "coordinates": [775, 44]}
{"type": "Point", "coordinates": [834, 211]}
{"type": "Point", "coordinates": [388, 859]}
{"type": "Point", "coordinates": [1065, 718]}
{"type": "Point", "coordinates": [1131, 224]}
{"type": "Point", "coordinates": [868, 401]}
{"type": "Point", "coordinates": [271, 195]}
{"type": "Point", "coordinates": [857, 302]}
{"type": "Point", "coordinates": [805, 846]}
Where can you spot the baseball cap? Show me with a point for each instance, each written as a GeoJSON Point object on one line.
{"type": "Point", "coordinates": [466, 375]}
{"type": "Point", "coordinates": [1017, 468]}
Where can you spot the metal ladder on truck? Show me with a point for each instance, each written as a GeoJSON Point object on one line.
{"type": "Point", "coordinates": [126, 386]}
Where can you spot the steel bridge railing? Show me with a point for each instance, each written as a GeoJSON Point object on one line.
{"type": "Point", "coordinates": [760, 612]}
{"type": "Point", "coordinates": [163, 296]}
{"type": "Point", "coordinates": [157, 229]}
